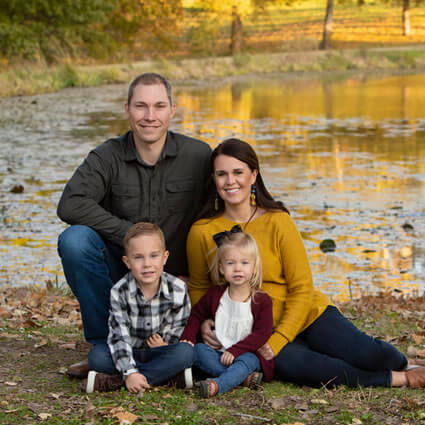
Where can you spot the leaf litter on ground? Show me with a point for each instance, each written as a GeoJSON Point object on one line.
{"type": "Point", "coordinates": [41, 334]}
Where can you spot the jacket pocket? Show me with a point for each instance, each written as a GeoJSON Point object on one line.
{"type": "Point", "coordinates": [125, 200]}
{"type": "Point", "coordinates": [179, 194]}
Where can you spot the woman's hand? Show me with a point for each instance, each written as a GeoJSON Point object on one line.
{"type": "Point", "coordinates": [188, 342]}
{"type": "Point", "coordinates": [208, 334]}
{"type": "Point", "coordinates": [136, 382]}
{"type": "Point", "coordinates": [266, 351]}
{"type": "Point", "coordinates": [227, 358]}
{"type": "Point", "coordinates": [155, 340]}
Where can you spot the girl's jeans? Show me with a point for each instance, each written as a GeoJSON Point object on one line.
{"type": "Point", "coordinates": [332, 351]}
{"type": "Point", "coordinates": [227, 377]}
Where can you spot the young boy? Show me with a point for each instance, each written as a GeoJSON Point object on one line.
{"type": "Point", "coordinates": [149, 310]}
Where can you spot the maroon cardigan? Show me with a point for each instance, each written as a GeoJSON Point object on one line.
{"type": "Point", "coordinates": [261, 307]}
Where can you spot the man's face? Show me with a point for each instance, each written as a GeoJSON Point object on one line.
{"type": "Point", "coordinates": [150, 113]}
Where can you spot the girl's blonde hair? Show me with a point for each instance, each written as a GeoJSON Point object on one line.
{"type": "Point", "coordinates": [243, 241]}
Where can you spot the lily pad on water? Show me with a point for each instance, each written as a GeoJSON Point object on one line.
{"type": "Point", "coordinates": [327, 245]}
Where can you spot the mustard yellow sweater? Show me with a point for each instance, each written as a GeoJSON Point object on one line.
{"type": "Point", "coordinates": [286, 271]}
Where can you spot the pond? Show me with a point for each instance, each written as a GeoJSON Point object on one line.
{"type": "Point", "coordinates": [346, 154]}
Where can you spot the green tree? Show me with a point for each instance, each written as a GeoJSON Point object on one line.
{"type": "Point", "coordinates": [149, 24]}
{"type": "Point", "coordinates": [48, 29]}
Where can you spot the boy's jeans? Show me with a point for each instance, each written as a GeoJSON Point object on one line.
{"type": "Point", "coordinates": [91, 266]}
{"type": "Point", "coordinates": [158, 364]}
{"type": "Point", "coordinates": [227, 377]}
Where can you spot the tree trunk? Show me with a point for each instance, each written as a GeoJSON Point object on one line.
{"type": "Point", "coordinates": [406, 17]}
{"type": "Point", "coordinates": [327, 28]}
{"type": "Point", "coordinates": [237, 36]}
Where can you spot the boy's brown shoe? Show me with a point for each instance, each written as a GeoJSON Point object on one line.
{"type": "Point", "coordinates": [103, 382]}
{"type": "Point", "coordinates": [79, 370]}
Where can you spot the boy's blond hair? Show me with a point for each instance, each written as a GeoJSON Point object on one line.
{"type": "Point", "coordinates": [143, 228]}
{"type": "Point", "coordinates": [244, 241]}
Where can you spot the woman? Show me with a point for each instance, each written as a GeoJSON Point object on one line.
{"type": "Point", "coordinates": [312, 342]}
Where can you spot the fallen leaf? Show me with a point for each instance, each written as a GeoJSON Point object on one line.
{"type": "Point", "coordinates": [319, 401]}
{"type": "Point", "coordinates": [55, 396]}
{"type": "Point", "coordinates": [168, 395]}
{"type": "Point", "coordinates": [70, 346]}
{"type": "Point", "coordinates": [126, 418]}
{"type": "Point", "coordinates": [11, 384]}
{"type": "Point", "coordinates": [44, 416]}
{"type": "Point", "coordinates": [11, 411]}
{"type": "Point", "coordinates": [421, 353]}
{"type": "Point", "coordinates": [417, 338]}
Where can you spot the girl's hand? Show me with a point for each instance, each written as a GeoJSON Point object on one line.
{"type": "Point", "coordinates": [227, 358]}
{"type": "Point", "coordinates": [136, 382]}
{"type": "Point", "coordinates": [208, 335]}
{"type": "Point", "coordinates": [266, 351]}
{"type": "Point", "coordinates": [155, 340]}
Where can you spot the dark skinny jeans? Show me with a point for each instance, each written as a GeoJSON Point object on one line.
{"type": "Point", "coordinates": [332, 351]}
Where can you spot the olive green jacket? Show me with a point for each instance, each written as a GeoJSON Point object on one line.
{"type": "Point", "coordinates": [113, 188]}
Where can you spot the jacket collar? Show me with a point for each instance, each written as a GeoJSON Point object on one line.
{"type": "Point", "coordinates": [130, 153]}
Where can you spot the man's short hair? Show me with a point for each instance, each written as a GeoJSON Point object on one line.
{"type": "Point", "coordinates": [143, 228]}
{"type": "Point", "coordinates": [149, 79]}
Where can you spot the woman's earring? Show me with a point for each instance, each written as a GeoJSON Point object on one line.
{"type": "Point", "coordinates": [253, 196]}
{"type": "Point", "coordinates": [216, 202]}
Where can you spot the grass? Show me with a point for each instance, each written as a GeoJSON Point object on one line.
{"type": "Point", "coordinates": [34, 388]}
{"type": "Point", "coordinates": [32, 80]}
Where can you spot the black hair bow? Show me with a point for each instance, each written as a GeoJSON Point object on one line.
{"type": "Point", "coordinates": [218, 237]}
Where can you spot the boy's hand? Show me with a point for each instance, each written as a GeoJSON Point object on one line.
{"type": "Point", "coordinates": [208, 334]}
{"type": "Point", "coordinates": [227, 358]}
{"type": "Point", "coordinates": [155, 340]}
{"type": "Point", "coordinates": [136, 382]}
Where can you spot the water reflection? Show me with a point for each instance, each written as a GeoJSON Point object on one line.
{"type": "Point", "coordinates": [346, 155]}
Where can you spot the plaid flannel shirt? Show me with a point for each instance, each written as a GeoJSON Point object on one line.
{"type": "Point", "coordinates": [133, 319]}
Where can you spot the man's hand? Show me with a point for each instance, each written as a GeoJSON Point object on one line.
{"type": "Point", "coordinates": [266, 351]}
{"type": "Point", "coordinates": [208, 334]}
{"type": "Point", "coordinates": [136, 382]}
{"type": "Point", "coordinates": [227, 358]}
{"type": "Point", "coordinates": [155, 340]}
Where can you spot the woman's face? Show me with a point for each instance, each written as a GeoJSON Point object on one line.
{"type": "Point", "coordinates": [233, 180]}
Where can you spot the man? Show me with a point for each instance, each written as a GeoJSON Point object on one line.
{"type": "Point", "coordinates": [148, 174]}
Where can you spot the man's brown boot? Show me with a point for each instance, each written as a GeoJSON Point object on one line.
{"type": "Point", "coordinates": [79, 370]}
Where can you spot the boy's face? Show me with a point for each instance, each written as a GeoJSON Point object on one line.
{"type": "Point", "coordinates": [146, 258]}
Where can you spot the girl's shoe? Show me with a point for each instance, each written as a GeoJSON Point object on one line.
{"type": "Point", "coordinates": [208, 388]}
{"type": "Point", "coordinates": [253, 380]}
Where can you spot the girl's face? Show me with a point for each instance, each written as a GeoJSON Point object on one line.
{"type": "Point", "coordinates": [233, 180]}
{"type": "Point", "coordinates": [237, 266]}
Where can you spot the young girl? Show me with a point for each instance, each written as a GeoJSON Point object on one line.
{"type": "Point", "coordinates": [242, 314]}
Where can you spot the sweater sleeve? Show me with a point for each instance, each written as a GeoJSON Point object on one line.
{"type": "Point", "coordinates": [261, 329]}
{"type": "Point", "coordinates": [297, 273]}
{"type": "Point", "coordinates": [201, 311]}
{"type": "Point", "coordinates": [197, 254]}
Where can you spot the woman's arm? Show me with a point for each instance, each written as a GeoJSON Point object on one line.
{"type": "Point", "coordinates": [297, 273]}
{"type": "Point", "coordinates": [197, 256]}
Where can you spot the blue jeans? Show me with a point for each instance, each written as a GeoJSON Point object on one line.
{"type": "Point", "coordinates": [157, 364]}
{"type": "Point", "coordinates": [227, 377]}
{"type": "Point", "coordinates": [91, 266]}
{"type": "Point", "coordinates": [332, 351]}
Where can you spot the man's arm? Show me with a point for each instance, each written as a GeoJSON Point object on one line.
{"type": "Point", "coordinates": [82, 196]}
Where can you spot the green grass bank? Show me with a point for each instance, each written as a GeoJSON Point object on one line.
{"type": "Point", "coordinates": [30, 80]}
